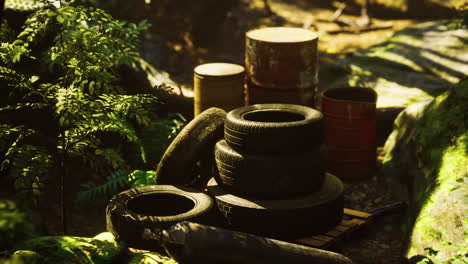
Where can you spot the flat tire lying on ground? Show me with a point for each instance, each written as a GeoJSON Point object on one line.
{"type": "Point", "coordinates": [268, 176]}
{"type": "Point", "coordinates": [273, 128]}
{"type": "Point", "coordinates": [194, 143]}
{"type": "Point", "coordinates": [157, 206]}
{"type": "Point", "coordinates": [283, 219]}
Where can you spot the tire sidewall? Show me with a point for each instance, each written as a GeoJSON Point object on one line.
{"type": "Point", "coordinates": [128, 226]}
{"type": "Point", "coordinates": [274, 137]}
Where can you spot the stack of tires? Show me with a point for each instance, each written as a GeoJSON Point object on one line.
{"type": "Point", "coordinates": [270, 178]}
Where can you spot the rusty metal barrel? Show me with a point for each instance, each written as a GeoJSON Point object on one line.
{"type": "Point", "coordinates": [350, 132]}
{"type": "Point", "coordinates": [218, 85]}
{"type": "Point", "coordinates": [281, 65]}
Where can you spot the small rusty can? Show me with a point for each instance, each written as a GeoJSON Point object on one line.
{"type": "Point", "coordinates": [350, 131]}
{"type": "Point", "coordinates": [218, 85]}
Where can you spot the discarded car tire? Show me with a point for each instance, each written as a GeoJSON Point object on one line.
{"type": "Point", "coordinates": [273, 128]}
{"type": "Point", "coordinates": [194, 143]}
{"type": "Point", "coordinates": [283, 219]}
{"type": "Point", "coordinates": [157, 206]}
{"type": "Point", "coordinates": [266, 176]}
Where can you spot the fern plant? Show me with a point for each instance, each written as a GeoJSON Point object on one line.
{"type": "Point", "coordinates": [62, 102]}
{"type": "Point", "coordinates": [155, 139]}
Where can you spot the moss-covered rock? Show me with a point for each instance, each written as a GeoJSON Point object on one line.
{"type": "Point", "coordinates": [102, 249]}
{"type": "Point", "coordinates": [415, 64]}
{"type": "Point", "coordinates": [427, 154]}
{"type": "Point", "coordinates": [151, 258]}
{"type": "Point", "coordinates": [24, 257]}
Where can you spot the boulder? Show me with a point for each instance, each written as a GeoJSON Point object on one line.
{"type": "Point", "coordinates": [101, 249]}
{"type": "Point", "coordinates": [415, 64]}
{"type": "Point", "coordinates": [151, 258]}
{"type": "Point", "coordinates": [427, 164]}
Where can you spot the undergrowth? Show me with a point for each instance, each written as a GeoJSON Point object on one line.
{"type": "Point", "coordinates": [65, 111]}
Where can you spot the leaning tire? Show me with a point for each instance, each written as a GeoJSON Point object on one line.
{"type": "Point", "coordinates": [283, 219]}
{"type": "Point", "coordinates": [157, 206]}
{"type": "Point", "coordinates": [273, 128]}
{"type": "Point", "coordinates": [268, 176]}
{"type": "Point", "coordinates": [194, 143]}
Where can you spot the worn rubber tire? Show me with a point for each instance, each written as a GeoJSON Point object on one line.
{"type": "Point", "coordinates": [194, 143]}
{"type": "Point", "coordinates": [273, 128]}
{"type": "Point", "coordinates": [129, 212]}
{"type": "Point", "coordinates": [283, 219]}
{"type": "Point", "coordinates": [264, 176]}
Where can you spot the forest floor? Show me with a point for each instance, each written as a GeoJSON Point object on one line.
{"type": "Point", "coordinates": [380, 241]}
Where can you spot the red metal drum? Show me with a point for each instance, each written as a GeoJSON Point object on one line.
{"type": "Point", "coordinates": [350, 131]}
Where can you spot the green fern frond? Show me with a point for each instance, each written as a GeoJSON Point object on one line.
{"type": "Point", "coordinates": [157, 137]}
{"type": "Point", "coordinates": [14, 79]}
{"type": "Point", "coordinates": [28, 166]}
{"type": "Point", "coordinates": [23, 5]}
{"type": "Point", "coordinates": [113, 184]}
{"type": "Point", "coordinates": [141, 178]}
{"type": "Point", "coordinates": [7, 34]}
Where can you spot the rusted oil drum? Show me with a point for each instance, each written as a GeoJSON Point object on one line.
{"type": "Point", "coordinates": [218, 85]}
{"type": "Point", "coordinates": [281, 65]}
{"type": "Point", "coordinates": [350, 131]}
{"type": "Point", "coordinates": [260, 95]}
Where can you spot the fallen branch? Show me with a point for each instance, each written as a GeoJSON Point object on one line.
{"type": "Point", "coordinates": [357, 30]}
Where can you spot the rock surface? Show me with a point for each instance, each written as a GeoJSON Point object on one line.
{"type": "Point", "coordinates": [427, 162]}
{"type": "Point", "coordinates": [101, 249]}
{"type": "Point", "coordinates": [151, 258]}
{"type": "Point", "coordinates": [415, 64]}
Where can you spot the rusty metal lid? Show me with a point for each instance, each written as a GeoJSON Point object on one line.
{"type": "Point", "coordinates": [219, 70]}
{"type": "Point", "coordinates": [282, 34]}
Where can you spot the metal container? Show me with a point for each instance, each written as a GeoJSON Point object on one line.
{"type": "Point", "coordinates": [281, 65]}
{"type": "Point", "coordinates": [350, 131]}
{"type": "Point", "coordinates": [263, 95]}
{"type": "Point", "coordinates": [218, 85]}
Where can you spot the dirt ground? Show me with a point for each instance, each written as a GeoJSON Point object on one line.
{"type": "Point", "coordinates": [335, 41]}
{"type": "Point", "coordinates": [381, 240]}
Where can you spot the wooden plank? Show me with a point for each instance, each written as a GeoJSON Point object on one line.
{"type": "Point", "coordinates": [342, 228]}
{"type": "Point", "coordinates": [355, 213]}
{"type": "Point", "coordinates": [348, 223]}
{"type": "Point", "coordinates": [339, 232]}
{"type": "Point", "coordinates": [310, 242]}
{"type": "Point", "coordinates": [334, 233]}
{"type": "Point", "coordinates": [323, 238]}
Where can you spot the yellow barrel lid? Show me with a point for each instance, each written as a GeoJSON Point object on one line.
{"type": "Point", "coordinates": [282, 34]}
{"type": "Point", "coordinates": [219, 69]}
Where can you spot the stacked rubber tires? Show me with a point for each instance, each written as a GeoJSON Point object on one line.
{"type": "Point", "coordinates": [269, 174]}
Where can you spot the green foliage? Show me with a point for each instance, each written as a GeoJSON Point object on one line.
{"type": "Point", "coordinates": [108, 186]}
{"type": "Point", "coordinates": [141, 178]}
{"type": "Point", "coordinates": [23, 5]}
{"type": "Point", "coordinates": [26, 164]}
{"type": "Point", "coordinates": [154, 140]}
{"type": "Point", "coordinates": [157, 136]}
{"type": "Point", "coordinates": [15, 226]}
{"type": "Point", "coordinates": [61, 100]}
{"type": "Point", "coordinates": [101, 249]}
{"type": "Point", "coordinates": [115, 182]}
